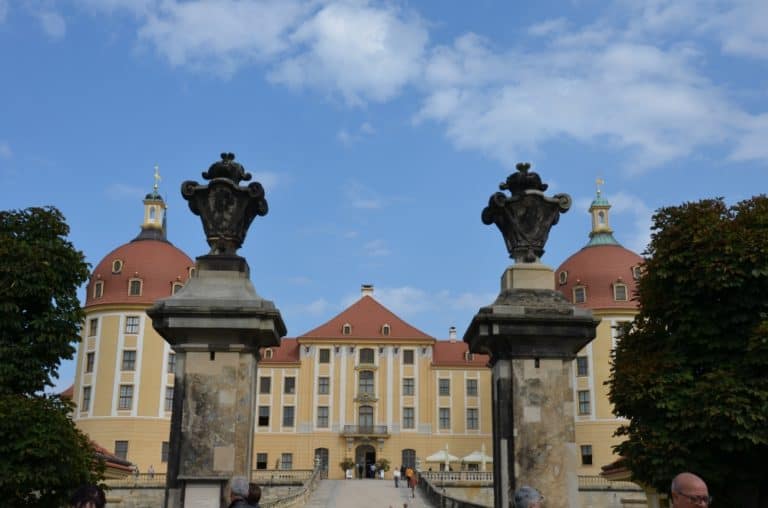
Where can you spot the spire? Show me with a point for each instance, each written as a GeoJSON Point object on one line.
{"type": "Point", "coordinates": [153, 227]}
{"type": "Point", "coordinates": [601, 233]}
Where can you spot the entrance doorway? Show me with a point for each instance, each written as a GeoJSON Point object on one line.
{"type": "Point", "coordinates": [365, 460]}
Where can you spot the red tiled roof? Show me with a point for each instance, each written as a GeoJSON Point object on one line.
{"type": "Point", "coordinates": [111, 460]}
{"type": "Point", "coordinates": [287, 352]}
{"type": "Point", "coordinates": [157, 263]}
{"type": "Point", "coordinates": [454, 354]}
{"type": "Point", "coordinates": [68, 393]}
{"type": "Point", "coordinates": [367, 318]}
{"type": "Point", "coordinates": [598, 268]}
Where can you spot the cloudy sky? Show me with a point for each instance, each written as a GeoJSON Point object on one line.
{"type": "Point", "coordinates": [379, 129]}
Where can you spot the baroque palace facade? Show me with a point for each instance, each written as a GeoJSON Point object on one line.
{"type": "Point", "coordinates": [365, 385]}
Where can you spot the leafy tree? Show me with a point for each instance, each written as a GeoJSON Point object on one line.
{"type": "Point", "coordinates": [43, 456]}
{"type": "Point", "coordinates": [690, 371]}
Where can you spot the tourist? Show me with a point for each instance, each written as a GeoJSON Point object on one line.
{"type": "Point", "coordinates": [88, 496]}
{"type": "Point", "coordinates": [396, 476]}
{"type": "Point", "coordinates": [410, 474]}
{"type": "Point", "coordinates": [238, 493]}
{"type": "Point", "coordinates": [528, 497]}
{"type": "Point", "coordinates": [689, 490]}
{"type": "Point", "coordinates": [254, 494]}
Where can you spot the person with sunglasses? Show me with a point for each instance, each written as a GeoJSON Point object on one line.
{"type": "Point", "coordinates": [688, 490]}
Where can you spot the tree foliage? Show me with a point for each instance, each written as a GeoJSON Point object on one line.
{"type": "Point", "coordinates": [690, 371]}
{"type": "Point", "coordinates": [43, 456]}
{"type": "Point", "coordinates": [40, 314]}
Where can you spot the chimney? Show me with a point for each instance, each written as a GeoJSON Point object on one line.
{"type": "Point", "coordinates": [366, 290]}
{"type": "Point", "coordinates": [452, 334]}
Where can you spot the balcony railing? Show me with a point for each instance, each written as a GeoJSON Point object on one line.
{"type": "Point", "coordinates": [365, 430]}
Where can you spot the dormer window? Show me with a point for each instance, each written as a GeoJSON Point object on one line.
{"type": "Point", "coordinates": [385, 330]}
{"type": "Point", "coordinates": [579, 294]}
{"type": "Point", "coordinates": [176, 287]}
{"type": "Point", "coordinates": [98, 289]}
{"type": "Point", "coordinates": [268, 353]}
{"type": "Point", "coordinates": [134, 287]}
{"type": "Point", "coordinates": [620, 292]}
{"type": "Point", "coordinates": [562, 277]}
{"type": "Point", "coordinates": [192, 271]}
{"type": "Point", "coordinates": [346, 329]}
{"type": "Point", "coordinates": [636, 272]}
{"type": "Point", "coordinates": [117, 266]}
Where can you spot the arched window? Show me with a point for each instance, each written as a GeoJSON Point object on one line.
{"type": "Point", "coordinates": [366, 356]}
{"type": "Point", "coordinates": [151, 213]}
{"type": "Point", "coordinates": [601, 217]}
{"type": "Point", "coordinates": [98, 289]}
{"type": "Point", "coordinates": [346, 329]}
{"type": "Point", "coordinates": [365, 418]}
{"type": "Point", "coordinates": [562, 277]}
{"type": "Point", "coordinates": [321, 459]}
{"type": "Point", "coordinates": [365, 382]}
{"type": "Point", "coordinates": [385, 330]}
{"type": "Point", "coordinates": [117, 266]}
{"type": "Point", "coordinates": [579, 294]}
{"type": "Point", "coordinates": [176, 287]}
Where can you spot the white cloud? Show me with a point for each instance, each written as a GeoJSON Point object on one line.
{"type": "Point", "coordinates": [641, 219]}
{"type": "Point", "coordinates": [376, 248]}
{"type": "Point", "coordinates": [5, 150]}
{"type": "Point", "coordinates": [548, 27]}
{"type": "Point", "coordinates": [360, 52]}
{"type": "Point", "coordinates": [119, 191]}
{"type": "Point", "coordinates": [317, 307]}
{"type": "Point", "coordinates": [409, 300]}
{"type": "Point", "coordinates": [224, 34]}
{"type": "Point", "coordinates": [752, 144]}
{"type": "Point", "coordinates": [638, 98]}
{"type": "Point", "coordinates": [53, 23]}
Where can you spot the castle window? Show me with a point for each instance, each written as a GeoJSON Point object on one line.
{"type": "Point", "coordinates": [121, 449]}
{"type": "Point", "coordinates": [268, 354]}
{"type": "Point", "coordinates": [261, 460]}
{"type": "Point", "coordinates": [366, 356]}
{"type": "Point", "coordinates": [582, 366]}
{"type": "Point", "coordinates": [86, 405]}
{"type": "Point", "coordinates": [90, 359]}
{"type": "Point", "coordinates": [192, 271]}
{"type": "Point", "coordinates": [473, 419]}
{"type": "Point", "coordinates": [408, 356]}
{"type": "Point", "coordinates": [169, 398]}
{"type": "Point", "coordinates": [117, 266]}
{"type": "Point", "coordinates": [288, 416]}
{"type": "Point", "coordinates": [125, 400]}
{"type": "Point", "coordinates": [325, 356]}
{"type": "Point", "coordinates": [134, 287]}
{"type": "Point", "coordinates": [323, 385]}
{"type": "Point", "coordinates": [579, 294]}
{"type": "Point", "coordinates": [586, 455]}
{"type": "Point", "coordinates": [385, 330]}
{"type": "Point", "coordinates": [176, 287]}
{"type": "Point", "coordinates": [152, 213]}
{"type": "Point", "coordinates": [365, 382]}
{"type": "Point", "coordinates": [636, 272]}
{"type": "Point", "coordinates": [286, 461]}
{"type": "Point", "coordinates": [562, 277]}
{"type": "Point", "coordinates": [620, 292]}
{"type": "Point", "coordinates": [98, 289]}
{"type": "Point", "coordinates": [444, 386]}
{"type": "Point", "coordinates": [409, 420]}
{"type": "Point", "coordinates": [132, 325]}
{"type": "Point", "coordinates": [445, 417]}
{"type": "Point", "coordinates": [584, 405]}
{"type": "Point", "coordinates": [408, 386]}
{"type": "Point", "coordinates": [289, 385]}
{"type": "Point", "coordinates": [93, 327]}
{"type": "Point", "coordinates": [263, 416]}
{"type": "Point", "coordinates": [322, 417]}
{"type": "Point", "coordinates": [164, 451]}
{"type": "Point", "coordinates": [471, 387]}
{"type": "Point", "coordinates": [601, 217]}
{"type": "Point", "coordinates": [346, 329]}
{"type": "Point", "coordinates": [129, 360]}
{"type": "Point", "coordinates": [265, 384]}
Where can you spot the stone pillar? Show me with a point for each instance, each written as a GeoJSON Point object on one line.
{"type": "Point", "coordinates": [532, 334]}
{"type": "Point", "coordinates": [216, 324]}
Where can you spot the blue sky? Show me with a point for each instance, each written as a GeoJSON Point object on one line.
{"type": "Point", "coordinates": [379, 130]}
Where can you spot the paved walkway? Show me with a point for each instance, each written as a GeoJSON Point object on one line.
{"type": "Point", "coordinates": [364, 494]}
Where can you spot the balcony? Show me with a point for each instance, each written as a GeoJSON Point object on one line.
{"type": "Point", "coordinates": [378, 431]}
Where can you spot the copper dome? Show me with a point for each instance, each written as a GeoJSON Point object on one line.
{"type": "Point", "coordinates": [600, 269]}
{"type": "Point", "coordinates": [157, 264]}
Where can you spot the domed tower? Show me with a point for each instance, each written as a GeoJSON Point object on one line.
{"type": "Point", "coordinates": [602, 276]}
{"type": "Point", "coordinates": [124, 379]}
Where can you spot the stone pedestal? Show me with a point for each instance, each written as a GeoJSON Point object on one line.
{"type": "Point", "coordinates": [532, 334]}
{"type": "Point", "coordinates": [216, 325]}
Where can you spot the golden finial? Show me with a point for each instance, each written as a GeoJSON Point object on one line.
{"type": "Point", "coordinates": [599, 182]}
{"type": "Point", "coordinates": [157, 179]}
